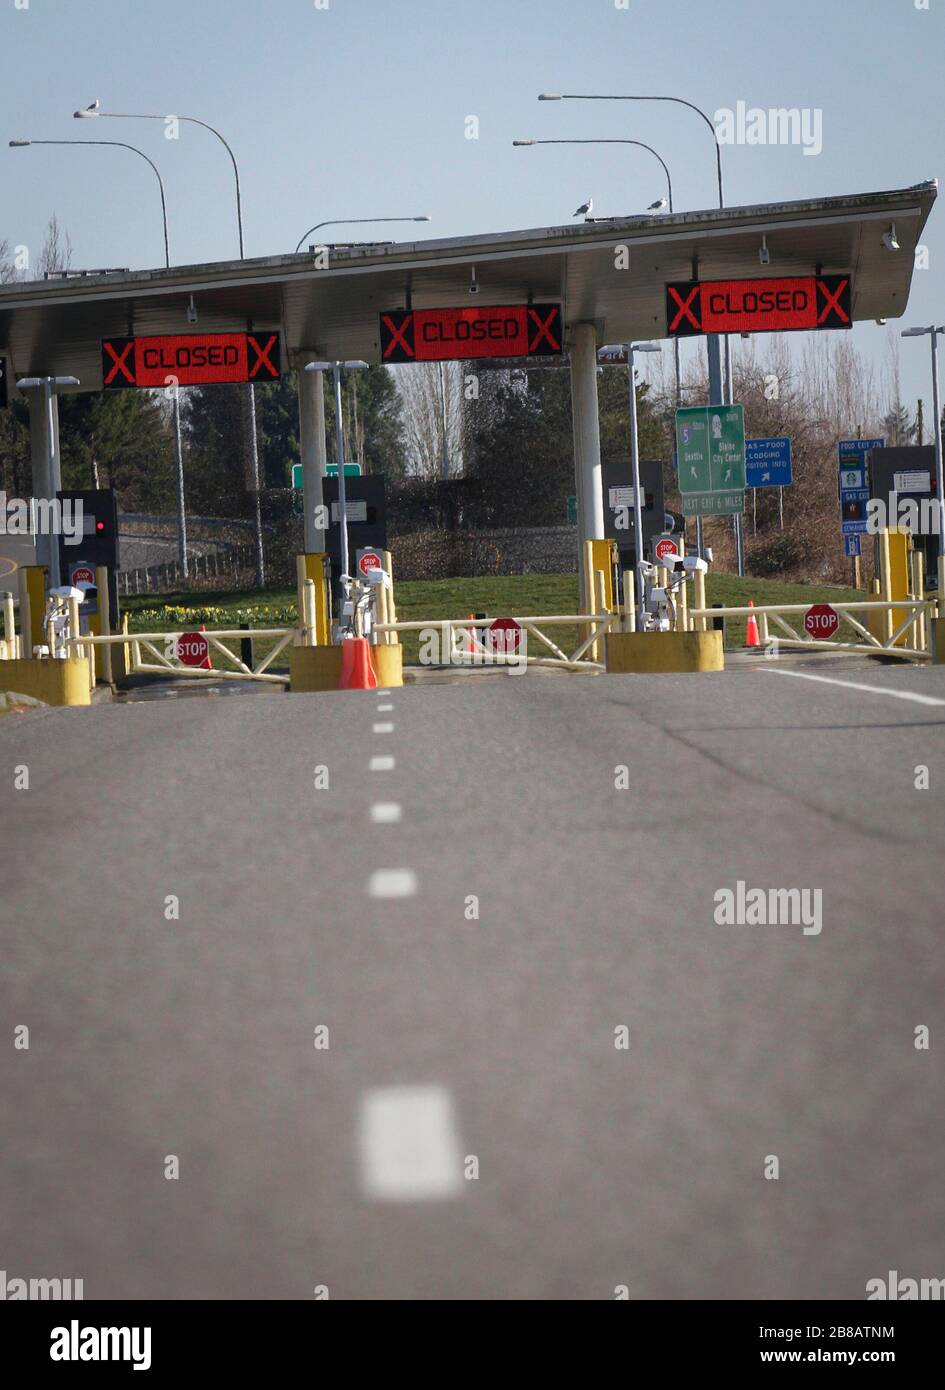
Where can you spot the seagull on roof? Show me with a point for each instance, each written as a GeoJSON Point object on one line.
{"type": "Point", "coordinates": [585, 210]}
{"type": "Point", "coordinates": [658, 206]}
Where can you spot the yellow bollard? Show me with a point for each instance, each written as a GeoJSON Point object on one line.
{"type": "Point", "coordinates": [314, 566]}
{"type": "Point", "coordinates": [35, 580]}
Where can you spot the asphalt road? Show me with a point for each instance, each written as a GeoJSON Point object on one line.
{"type": "Point", "coordinates": [453, 1039]}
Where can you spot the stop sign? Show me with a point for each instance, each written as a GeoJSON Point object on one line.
{"type": "Point", "coordinates": [821, 621]}
{"type": "Point", "coordinates": [193, 649]}
{"type": "Point", "coordinates": [504, 635]}
{"type": "Point", "coordinates": [370, 560]}
{"type": "Point", "coordinates": [666, 549]}
{"type": "Point", "coordinates": [83, 574]}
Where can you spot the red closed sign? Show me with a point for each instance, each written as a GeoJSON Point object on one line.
{"type": "Point", "coordinates": [821, 621]}
{"type": "Point", "coordinates": [488, 330]}
{"type": "Point", "coordinates": [190, 359]}
{"type": "Point", "coordinates": [776, 304]}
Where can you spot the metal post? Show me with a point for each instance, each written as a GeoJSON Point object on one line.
{"type": "Point", "coordinates": [445, 428]}
{"type": "Point", "coordinates": [586, 428]}
{"type": "Point", "coordinates": [939, 478]}
{"type": "Point", "coordinates": [313, 455]}
{"type": "Point", "coordinates": [637, 499]}
{"type": "Point", "coordinates": [104, 622]}
{"type": "Point", "coordinates": [340, 455]}
{"type": "Point", "coordinates": [254, 460]}
{"type": "Point", "coordinates": [181, 508]}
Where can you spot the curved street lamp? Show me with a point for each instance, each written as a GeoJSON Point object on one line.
{"type": "Point", "coordinates": [352, 221]}
{"type": "Point", "coordinates": [178, 444]}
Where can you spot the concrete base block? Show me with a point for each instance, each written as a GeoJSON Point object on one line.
{"type": "Point", "coordinates": [652, 652]}
{"type": "Point", "coordinates": [53, 682]}
{"type": "Point", "coordinates": [388, 666]}
{"type": "Point", "coordinates": [937, 640]}
{"type": "Point", "coordinates": [319, 668]}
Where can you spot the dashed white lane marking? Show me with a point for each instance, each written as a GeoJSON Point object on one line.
{"type": "Point", "coordinates": [385, 812]}
{"type": "Point", "coordinates": [381, 764]}
{"type": "Point", "coordinates": [383, 728]}
{"type": "Point", "coordinates": [385, 709]}
{"type": "Point", "coordinates": [408, 1146]}
{"type": "Point", "coordinates": [858, 685]}
{"type": "Point", "coordinates": [392, 883]}
{"type": "Point", "coordinates": [382, 694]}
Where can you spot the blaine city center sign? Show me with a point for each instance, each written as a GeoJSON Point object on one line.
{"type": "Point", "coordinates": [710, 444]}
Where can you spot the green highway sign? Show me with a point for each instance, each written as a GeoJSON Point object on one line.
{"type": "Point", "coordinates": [710, 445]}
{"type": "Point", "coordinates": [352, 470]}
{"type": "Point", "coordinates": [572, 510]}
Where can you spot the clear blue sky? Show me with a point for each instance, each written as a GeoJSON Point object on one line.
{"type": "Point", "coordinates": [359, 109]}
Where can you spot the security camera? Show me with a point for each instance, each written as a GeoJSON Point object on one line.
{"type": "Point", "coordinates": [764, 255]}
{"type": "Point", "coordinates": [890, 240]}
{"type": "Point", "coordinates": [708, 554]}
{"type": "Point", "coordinates": [191, 311]}
{"type": "Point", "coordinates": [377, 575]}
{"type": "Point", "coordinates": [473, 285]}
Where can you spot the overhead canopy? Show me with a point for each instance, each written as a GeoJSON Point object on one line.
{"type": "Point", "coordinates": [56, 327]}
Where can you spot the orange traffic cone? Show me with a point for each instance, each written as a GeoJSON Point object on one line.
{"type": "Point", "coordinates": [751, 634]}
{"type": "Point", "coordinates": [357, 669]}
{"type": "Point", "coordinates": [207, 663]}
{"type": "Point", "coordinates": [470, 641]}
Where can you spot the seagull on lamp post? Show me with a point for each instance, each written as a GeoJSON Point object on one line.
{"type": "Point", "coordinates": [585, 210]}
{"type": "Point", "coordinates": [90, 110]}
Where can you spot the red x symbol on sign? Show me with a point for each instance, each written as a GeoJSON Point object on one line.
{"type": "Point", "coordinates": [543, 325]}
{"type": "Point", "coordinates": [120, 362]}
{"type": "Point", "coordinates": [262, 356]}
{"type": "Point", "coordinates": [832, 301]}
{"type": "Point", "coordinates": [684, 308]}
{"type": "Point", "coordinates": [397, 335]}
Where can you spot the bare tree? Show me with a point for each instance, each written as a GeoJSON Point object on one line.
{"type": "Point", "coordinates": [427, 389]}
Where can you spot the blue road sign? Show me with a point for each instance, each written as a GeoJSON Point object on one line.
{"type": "Point", "coordinates": [851, 546]}
{"type": "Point", "coordinates": [768, 463]}
{"type": "Point", "coordinates": [854, 493]}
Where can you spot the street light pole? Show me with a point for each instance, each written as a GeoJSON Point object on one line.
{"type": "Point", "coordinates": [355, 221]}
{"type": "Point", "coordinates": [635, 474]}
{"type": "Point", "coordinates": [933, 334]}
{"type": "Point", "coordinates": [178, 442]}
{"type": "Point", "coordinates": [713, 345]}
{"type": "Point", "coordinates": [335, 369]}
{"type": "Point", "coordinates": [93, 113]}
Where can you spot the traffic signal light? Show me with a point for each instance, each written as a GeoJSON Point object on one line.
{"type": "Point", "coordinates": [99, 542]}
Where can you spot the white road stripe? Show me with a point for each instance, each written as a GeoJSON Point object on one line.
{"type": "Point", "coordinates": [858, 685]}
{"type": "Point", "coordinates": [385, 709]}
{"type": "Point", "coordinates": [382, 694]}
{"type": "Point", "coordinates": [408, 1146]}
{"type": "Point", "coordinates": [383, 728]}
{"type": "Point", "coordinates": [381, 764]}
{"type": "Point", "coordinates": [385, 812]}
{"type": "Point", "coordinates": [392, 883]}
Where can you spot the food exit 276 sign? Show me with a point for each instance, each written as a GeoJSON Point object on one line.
{"type": "Point", "coordinates": [772, 305]}
{"type": "Point", "coordinates": [189, 359]}
{"type": "Point", "coordinates": [487, 330]}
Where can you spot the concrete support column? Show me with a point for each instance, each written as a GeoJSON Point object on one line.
{"type": "Point", "coordinates": [586, 426]}
{"type": "Point", "coordinates": [313, 450]}
{"type": "Point", "coordinates": [47, 476]}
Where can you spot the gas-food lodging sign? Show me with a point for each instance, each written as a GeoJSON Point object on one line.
{"type": "Point", "coordinates": [772, 305]}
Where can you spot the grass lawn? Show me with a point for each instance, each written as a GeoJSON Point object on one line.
{"type": "Point", "coordinates": [513, 596]}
